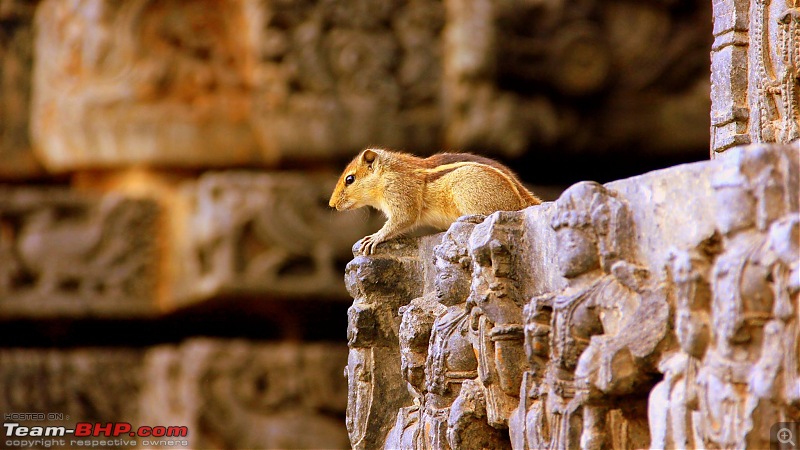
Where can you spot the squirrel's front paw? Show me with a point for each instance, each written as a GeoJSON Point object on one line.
{"type": "Point", "coordinates": [368, 244]}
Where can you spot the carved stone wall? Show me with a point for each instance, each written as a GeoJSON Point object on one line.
{"type": "Point", "coordinates": [271, 235]}
{"type": "Point", "coordinates": [754, 65]}
{"type": "Point", "coordinates": [237, 394]}
{"type": "Point", "coordinates": [615, 317]}
{"type": "Point", "coordinates": [266, 82]}
{"type": "Point", "coordinates": [139, 216]}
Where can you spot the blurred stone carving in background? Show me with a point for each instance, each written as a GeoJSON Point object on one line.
{"type": "Point", "coordinates": [65, 254]}
{"type": "Point", "coordinates": [748, 378]}
{"type": "Point", "coordinates": [237, 394]}
{"type": "Point", "coordinates": [16, 65]}
{"type": "Point", "coordinates": [265, 234]}
{"type": "Point", "coordinates": [588, 78]}
{"type": "Point", "coordinates": [173, 83]}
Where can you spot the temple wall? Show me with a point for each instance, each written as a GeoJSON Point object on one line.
{"type": "Point", "coordinates": [168, 258]}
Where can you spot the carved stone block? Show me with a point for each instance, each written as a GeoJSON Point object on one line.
{"type": "Point", "coordinates": [187, 83]}
{"type": "Point", "coordinates": [68, 254]}
{"type": "Point", "coordinates": [334, 76]}
{"type": "Point", "coordinates": [229, 394]}
{"type": "Point", "coordinates": [271, 235]}
{"type": "Point", "coordinates": [16, 66]}
{"type": "Point", "coordinates": [755, 90]}
{"type": "Point", "coordinates": [238, 394]}
{"type": "Point", "coordinates": [118, 84]}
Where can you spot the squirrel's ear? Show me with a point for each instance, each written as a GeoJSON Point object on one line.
{"type": "Point", "coordinates": [369, 156]}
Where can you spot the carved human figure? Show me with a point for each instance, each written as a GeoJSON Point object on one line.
{"type": "Point", "coordinates": [438, 360]}
{"type": "Point", "coordinates": [454, 412]}
{"type": "Point", "coordinates": [777, 374]}
{"type": "Point", "coordinates": [528, 426]}
{"type": "Point", "coordinates": [588, 363]}
{"type": "Point", "coordinates": [674, 400]}
{"type": "Point", "coordinates": [496, 313]}
{"type": "Point", "coordinates": [415, 331]}
{"type": "Point", "coordinates": [752, 357]}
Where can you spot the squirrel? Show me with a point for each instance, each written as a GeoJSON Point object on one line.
{"type": "Point", "coordinates": [433, 191]}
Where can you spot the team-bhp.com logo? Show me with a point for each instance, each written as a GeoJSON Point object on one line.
{"type": "Point", "coordinates": [86, 434]}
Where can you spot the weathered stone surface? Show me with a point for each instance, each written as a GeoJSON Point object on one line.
{"type": "Point", "coordinates": [186, 83]}
{"type": "Point", "coordinates": [238, 394]}
{"type": "Point", "coordinates": [746, 331]}
{"type": "Point", "coordinates": [68, 254]}
{"type": "Point", "coordinates": [16, 62]}
{"type": "Point", "coordinates": [519, 75]}
{"type": "Point", "coordinates": [755, 90]}
{"type": "Point", "coordinates": [118, 84]}
{"type": "Point", "coordinates": [611, 287]}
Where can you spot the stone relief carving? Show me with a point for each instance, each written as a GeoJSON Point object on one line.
{"type": "Point", "coordinates": [262, 233]}
{"type": "Point", "coordinates": [438, 352]}
{"type": "Point", "coordinates": [380, 284]}
{"type": "Point", "coordinates": [67, 253]}
{"type": "Point", "coordinates": [616, 339]}
{"type": "Point", "coordinates": [239, 394]}
{"type": "Point", "coordinates": [776, 60]}
{"type": "Point", "coordinates": [142, 86]}
{"type": "Point", "coordinates": [748, 378]}
{"type": "Point", "coordinates": [754, 64]}
{"type": "Point", "coordinates": [372, 69]}
{"type": "Point", "coordinates": [274, 80]}
{"type": "Point", "coordinates": [496, 313]}
{"type": "Point", "coordinates": [673, 401]}
{"type": "Point", "coordinates": [600, 332]}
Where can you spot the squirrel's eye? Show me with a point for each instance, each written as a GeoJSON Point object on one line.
{"type": "Point", "coordinates": [350, 179]}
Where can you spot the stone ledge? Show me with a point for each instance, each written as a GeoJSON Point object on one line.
{"type": "Point", "coordinates": [647, 240]}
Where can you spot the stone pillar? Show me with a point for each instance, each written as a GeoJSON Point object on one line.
{"type": "Point", "coordinates": [755, 90]}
